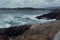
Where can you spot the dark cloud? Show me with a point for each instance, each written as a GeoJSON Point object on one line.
{"type": "Point", "coordinates": [50, 0]}
{"type": "Point", "coordinates": [29, 3]}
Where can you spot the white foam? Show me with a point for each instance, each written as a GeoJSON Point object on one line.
{"type": "Point", "coordinates": [11, 19]}
{"type": "Point", "coordinates": [8, 20]}
{"type": "Point", "coordinates": [4, 25]}
{"type": "Point", "coordinates": [6, 17]}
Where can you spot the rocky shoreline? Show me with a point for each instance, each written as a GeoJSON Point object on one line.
{"type": "Point", "coordinates": [51, 15]}
{"type": "Point", "coordinates": [33, 32]}
{"type": "Point", "coordinates": [7, 33]}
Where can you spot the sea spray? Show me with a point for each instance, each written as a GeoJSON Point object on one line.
{"type": "Point", "coordinates": [19, 17]}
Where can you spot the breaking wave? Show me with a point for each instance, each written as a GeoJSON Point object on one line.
{"type": "Point", "coordinates": [13, 18]}
{"type": "Point", "coordinates": [7, 20]}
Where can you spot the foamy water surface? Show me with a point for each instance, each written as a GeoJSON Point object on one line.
{"type": "Point", "coordinates": [14, 17]}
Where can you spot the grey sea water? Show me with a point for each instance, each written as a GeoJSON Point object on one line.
{"type": "Point", "coordinates": [19, 17]}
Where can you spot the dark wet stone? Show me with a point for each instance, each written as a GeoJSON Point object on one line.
{"type": "Point", "coordinates": [14, 30]}
{"type": "Point", "coordinates": [51, 15]}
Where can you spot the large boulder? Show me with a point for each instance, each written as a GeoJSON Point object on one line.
{"type": "Point", "coordinates": [41, 32]}
{"type": "Point", "coordinates": [51, 15]}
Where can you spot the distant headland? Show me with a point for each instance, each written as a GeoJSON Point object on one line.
{"type": "Point", "coordinates": [32, 8]}
{"type": "Point", "coordinates": [25, 8]}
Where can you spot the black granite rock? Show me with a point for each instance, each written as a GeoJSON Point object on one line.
{"type": "Point", "coordinates": [51, 15]}
{"type": "Point", "coordinates": [14, 31]}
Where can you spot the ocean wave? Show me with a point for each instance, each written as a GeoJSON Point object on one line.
{"type": "Point", "coordinates": [12, 19]}
{"type": "Point", "coordinates": [20, 21]}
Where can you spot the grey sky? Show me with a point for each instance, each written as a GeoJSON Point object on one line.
{"type": "Point", "coordinates": [29, 3]}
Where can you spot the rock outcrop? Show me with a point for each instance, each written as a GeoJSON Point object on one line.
{"type": "Point", "coordinates": [7, 33]}
{"type": "Point", "coordinates": [51, 15]}
{"type": "Point", "coordinates": [28, 32]}
{"type": "Point", "coordinates": [17, 30]}
{"type": "Point", "coordinates": [41, 32]}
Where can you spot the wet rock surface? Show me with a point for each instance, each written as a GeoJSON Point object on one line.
{"type": "Point", "coordinates": [17, 30]}
{"type": "Point", "coordinates": [4, 37]}
{"type": "Point", "coordinates": [41, 32]}
{"type": "Point", "coordinates": [11, 32]}
{"type": "Point", "coordinates": [51, 15]}
{"type": "Point", "coordinates": [31, 32]}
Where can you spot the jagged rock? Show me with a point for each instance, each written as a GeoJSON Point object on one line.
{"type": "Point", "coordinates": [51, 15]}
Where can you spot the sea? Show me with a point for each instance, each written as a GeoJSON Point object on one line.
{"type": "Point", "coordinates": [10, 18]}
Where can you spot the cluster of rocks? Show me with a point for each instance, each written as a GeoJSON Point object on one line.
{"type": "Point", "coordinates": [51, 15]}
{"type": "Point", "coordinates": [7, 33]}
{"type": "Point", "coordinates": [30, 32]}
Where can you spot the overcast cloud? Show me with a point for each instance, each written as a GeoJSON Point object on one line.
{"type": "Point", "coordinates": [29, 3]}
